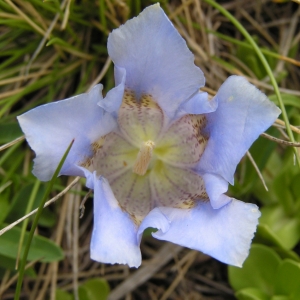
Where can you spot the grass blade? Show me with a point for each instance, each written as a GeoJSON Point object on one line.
{"type": "Point", "coordinates": [25, 224]}
{"type": "Point", "coordinates": [264, 62]}
{"type": "Point", "coordinates": [35, 222]}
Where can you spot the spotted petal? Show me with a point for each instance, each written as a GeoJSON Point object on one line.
{"type": "Point", "coordinates": [224, 233]}
{"type": "Point", "coordinates": [243, 114]}
{"type": "Point", "coordinates": [134, 194]}
{"type": "Point", "coordinates": [156, 59]}
{"type": "Point", "coordinates": [113, 156]}
{"type": "Point", "coordinates": [183, 143]}
{"type": "Point", "coordinates": [50, 128]}
{"type": "Point", "coordinates": [114, 237]}
{"type": "Point", "coordinates": [140, 120]}
{"type": "Point", "coordinates": [176, 187]}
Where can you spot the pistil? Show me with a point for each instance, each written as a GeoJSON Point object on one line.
{"type": "Point", "coordinates": [143, 158]}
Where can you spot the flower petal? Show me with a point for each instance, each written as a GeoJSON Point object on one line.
{"type": "Point", "coordinates": [113, 156]}
{"type": "Point", "coordinates": [140, 120]}
{"type": "Point", "coordinates": [114, 237]}
{"type": "Point", "coordinates": [243, 114]}
{"type": "Point", "coordinates": [155, 219]}
{"type": "Point", "coordinates": [176, 187]}
{"type": "Point", "coordinates": [50, 128]}
{"type": "Point", "coordinates": [199, 104]}
{"type": "Point", "coordinates": [156, 59]}
{"type": "Point", "coordinates": [224, 233]}
{"type": "Point", "coordinates": [134, 194]}
{"type": "Point", "coordinates": [113, 100]}
{"type": "Point", "coordinates": [183, 143]}
{"type": "Point", "coordinates": [215, 187]}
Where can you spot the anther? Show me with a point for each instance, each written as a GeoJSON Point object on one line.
{"type": "Point", "coordinates": [143, 158]}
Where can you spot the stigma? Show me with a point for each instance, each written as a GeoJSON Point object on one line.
{"type": "Point", "coordinates": [143, 159]}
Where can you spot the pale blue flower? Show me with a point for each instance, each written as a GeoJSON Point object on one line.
{"type": "Point", "coordinates": [155, 150]}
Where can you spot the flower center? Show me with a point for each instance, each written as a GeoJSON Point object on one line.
{"type": "Point", "coordinates": [149, 162]}
{"type": "Point", "coordinates": [143, 158]}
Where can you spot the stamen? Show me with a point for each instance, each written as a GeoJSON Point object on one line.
{"type": "Point", "coordinates": [143, 159]}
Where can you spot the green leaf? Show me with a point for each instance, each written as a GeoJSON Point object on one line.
{"type": "Point", "coordinates": [20, 199]}
{"type": "Point", "coordinates": [251, 294]}
{"type": "Point", "coordinates": [287, 99]}
{"type": "Point", "coordinates": [283, 253]}
{"type": "Point", "coordinates": [9, 132]}
{"type": "Point", "coordinates": [48, 218]}
{"type": "Point", "coordinates": [265, 235]}
{"type": "Point", "coordinates": [280, 297]}
{"type": "Point", "coordinates": [8, 263]}
{"type": "Point", "coordinates": [62, 295]}
{"type": "Point", "coordinates": [251, 59]}
{"type": "Point", "coordinates": [288, 279]}
{"type": "Point", "coordinates": [19, 203]}
{"type": "Point", "coordinates": [94, 289]}
{"type": "Point", "coordinates": [284, 195]}
{"type": "Point", "coordinates": [261, 151]}
{"type": "Point", "coordinates": [295, 187]}
{"type": "Point", "coordinates": [41, 247]}
{"type": "Point", "coordinates": [270, 171]}
{"type": "Point", "coordinates": [4, 204]}
{"type": "Point", "coordinates": [259, 270]}
{"type": "Point", "coordinates": [285, 230]}
{"type": "Point", "coordinates": [148, 231]}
